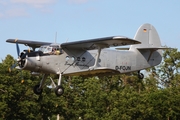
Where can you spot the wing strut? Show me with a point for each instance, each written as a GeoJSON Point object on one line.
{"type": "Point", "coordinates": [100, 46]}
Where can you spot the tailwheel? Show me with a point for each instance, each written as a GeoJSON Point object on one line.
{"type": "Point", "coordinates": [37, 90]}
{"type": "Point", "coordinates": [59, 90]}
{"type": "Point", "coordinates": [140, 75]}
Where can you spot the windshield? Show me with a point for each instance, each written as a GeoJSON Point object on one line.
{"type": "Point", "coordinates": [48, 50]}
{"type": "Point", "coordinates": [45, 49]}
{"type": "Point", "coordinates": [51, 50]}
{"type": "Point", "coordinates": [42, 48]}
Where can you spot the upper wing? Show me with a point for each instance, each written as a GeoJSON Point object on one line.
{"type": "Point", "coordinates": [33, 44]}
{"type": "Point", "coordinates": [105, 42]}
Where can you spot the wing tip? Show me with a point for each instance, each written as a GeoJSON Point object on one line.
{"type": "Point", "coordinates": [123, 37]}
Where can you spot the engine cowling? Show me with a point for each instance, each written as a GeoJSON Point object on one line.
{"type": "Point", "coordinates": [30, 61]}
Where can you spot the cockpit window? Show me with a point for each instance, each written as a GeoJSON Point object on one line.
{"type": "Point", "coordinates": [42, 48]}
{"type": "Point", "coordinates": [48, 50]}
{"type": "Point", "coordinates": [52, 49]}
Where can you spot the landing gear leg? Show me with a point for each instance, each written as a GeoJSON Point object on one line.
{"type": "Point", "coordinates": [59, 90]}
{"type": "Point", "coordinates": [140, 75]}
{"type": "Point", "coordinates": [38, 88]}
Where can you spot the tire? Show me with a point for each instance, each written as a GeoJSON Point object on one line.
{"type": "Point", "coordinates": [36, 90]}
{"type": "Point", "coordinates": [59, 90]}
{"type": "Point", "coordinates": [140, 76]}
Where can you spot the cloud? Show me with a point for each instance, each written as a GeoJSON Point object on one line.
{"type": "Point", "coordinates": [15, 12]}
{"type": "Point", "coordinates": [12, 13]}
{"type": "Point", "coordinates": [78, 1]}
{"type": "Point", "coordinates": [35, 3]}
{"type": "Point", "coordinates": [21, 8]}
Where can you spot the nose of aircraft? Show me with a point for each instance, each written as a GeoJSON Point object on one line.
{"type": "Point", "coordinates": [21, 56]}
{"type": "Point", "coordinates": [22, 59]}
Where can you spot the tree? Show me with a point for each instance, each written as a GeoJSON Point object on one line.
{"type": "Point", "coordinates": [124, 97]}
{"type": "Point", "coordinates": [165, 76]}
{"type": "Point", "coordinates": [17, 98]}
{"type": "Point", "coordinates": [169, 69]}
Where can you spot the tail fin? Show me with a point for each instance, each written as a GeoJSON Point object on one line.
{"type": "Point", "coordinates": [148, 37]}
{"type": "Point", "coordinates": [150, 48]}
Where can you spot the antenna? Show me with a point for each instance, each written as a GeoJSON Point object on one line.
{"type": "Point", "coordinates": [55, 37]}
{"type": "Point", "coordinates": [67, 40]}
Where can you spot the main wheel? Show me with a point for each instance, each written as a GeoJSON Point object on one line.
{"type": "Point", "coordinates": [36, 90]}
{"type": "Point", "coordinates": [140, 76]}
{"type": "Point", "coordinates": [59, 90]}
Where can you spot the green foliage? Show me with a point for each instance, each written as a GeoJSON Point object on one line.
{"type": "Point", "coordinates": [123, 97]}
{"type": "Point", "coordinates": [169, 69]}
{"type": "Point", "coordinates": [17, 98]}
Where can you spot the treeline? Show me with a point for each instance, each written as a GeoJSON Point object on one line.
{"type": "Point", "coordinates": [120, 97]}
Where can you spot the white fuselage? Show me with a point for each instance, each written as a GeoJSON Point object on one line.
{"type": "Point", "coordinates": [121, 61]}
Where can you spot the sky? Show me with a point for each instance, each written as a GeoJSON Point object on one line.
{"type": "Point", "coordinates": [74, 20]}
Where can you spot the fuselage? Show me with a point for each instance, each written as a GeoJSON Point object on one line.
{"type": "Point", "coordinates": [121, 61]}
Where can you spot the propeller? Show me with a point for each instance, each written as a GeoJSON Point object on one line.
{"type": "Point", "coordinates": [19, 60]}
{"type": "Point", "coordinates": [21, 57]}
{"type": "Point", "coordinates": [18, 53]}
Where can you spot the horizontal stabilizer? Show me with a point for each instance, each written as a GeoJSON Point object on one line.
{"type": "Point", "coordinates": [154, 48]}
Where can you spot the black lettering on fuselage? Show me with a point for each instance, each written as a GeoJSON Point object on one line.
{"type": "Point", "coordinates": [123, 68]}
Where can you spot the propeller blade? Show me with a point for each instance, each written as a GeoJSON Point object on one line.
{"type": "Point", "coordinates": [17, 48]}
{"type": "Point", "coordinates": [12, 67]}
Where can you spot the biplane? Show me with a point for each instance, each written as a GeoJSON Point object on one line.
{"type": "Point", "coordinates": [91, 57]}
